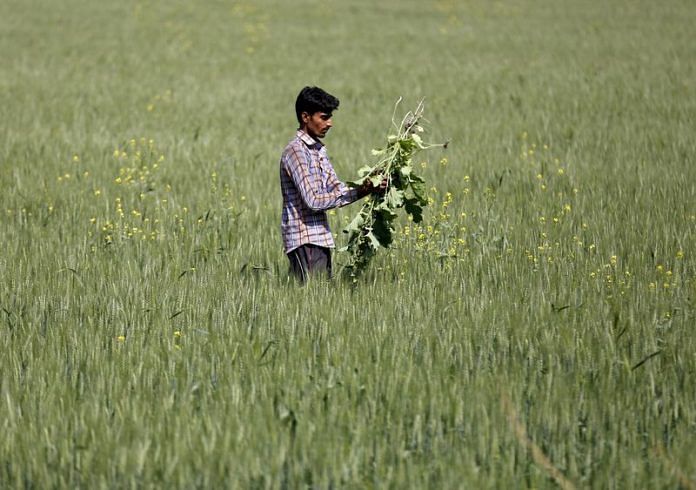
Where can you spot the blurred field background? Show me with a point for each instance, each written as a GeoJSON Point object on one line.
{"type": "Point", "coordinates": [536, 331]}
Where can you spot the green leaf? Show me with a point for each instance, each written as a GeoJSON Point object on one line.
{"type": "Point", "coordinates": [382, 231]}
{"type": "Point", "coordinates": [414, 208]}
{"type": "Point", "coordinates": [373, 241]}
{"type": "Point", "coordinates": [376, 180]}
{"type": "Point", "coordinates": [407, 144]}
{"type": "Point", "coordinates": [416, 178]}
{"type": "Point", "coordinates": [394, 197]}
{"type": "Point", "coordinates": [356, 183]}
{"type": "Point", "coordinates": [365, 170]}
{"type": "Point", "coordinates": [419, 191]}
{"type": "Point", "coordinates": [356, 225]}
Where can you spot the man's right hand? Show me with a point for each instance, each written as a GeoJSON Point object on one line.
{"type": "Point", "coordinates": [369, 188]}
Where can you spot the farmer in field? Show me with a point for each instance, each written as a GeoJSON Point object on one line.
{"type": "Point", "coordinates": [310, 187]}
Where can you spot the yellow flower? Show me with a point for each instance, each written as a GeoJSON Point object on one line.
{"type": "Point", "coordinates": [121, 338]}
{"type": "Point", "coordinates": [680, 254]}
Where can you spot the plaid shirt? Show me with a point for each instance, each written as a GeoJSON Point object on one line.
{"type": "Point", "coordinates": [310, 187]}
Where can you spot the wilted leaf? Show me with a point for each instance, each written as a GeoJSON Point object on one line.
{"type": "Point", "coordinates": [417, 139]}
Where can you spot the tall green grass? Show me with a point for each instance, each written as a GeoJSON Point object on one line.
{"type": "Point", "coordinates": [545, 306]}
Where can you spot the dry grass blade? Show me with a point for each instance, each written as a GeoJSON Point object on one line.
{"type": "Point", "coordinates": [684, 481]}
{"type": "Point", "coordinates": [538, 455]}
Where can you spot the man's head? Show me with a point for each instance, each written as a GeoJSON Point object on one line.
{"type": "Point", "coordinates": [314, 109]}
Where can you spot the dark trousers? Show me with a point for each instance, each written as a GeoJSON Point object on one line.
{"type": "Point", "coordinates": [309, 260]}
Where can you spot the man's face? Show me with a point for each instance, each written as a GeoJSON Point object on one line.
{"type": "Point", "coordinates": [317, 125]}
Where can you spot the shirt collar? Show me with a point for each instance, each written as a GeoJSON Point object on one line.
{"type": "Point", "coordinates": [308, 140]}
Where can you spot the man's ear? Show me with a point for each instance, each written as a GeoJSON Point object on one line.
{"type": "Point", "coordinates": [305, 117]}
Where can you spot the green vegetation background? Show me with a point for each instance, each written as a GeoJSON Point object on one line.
{"type": "Point", "coordinates": [148, 334]}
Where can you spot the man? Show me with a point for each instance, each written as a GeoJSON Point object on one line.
{"type": "Point", "coordinates": [310, 187]}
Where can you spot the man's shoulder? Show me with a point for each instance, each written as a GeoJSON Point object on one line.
{"type": "Point", "coordinates": [294, 146]}
{"type": "Point", "coordinates": [293, 142]}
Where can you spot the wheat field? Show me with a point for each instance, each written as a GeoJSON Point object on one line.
{"type": "Point", "coordinates": [534, 331]}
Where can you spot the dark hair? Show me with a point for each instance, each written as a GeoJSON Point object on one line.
{"type": "Point", "coordinates": [312, 100]}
